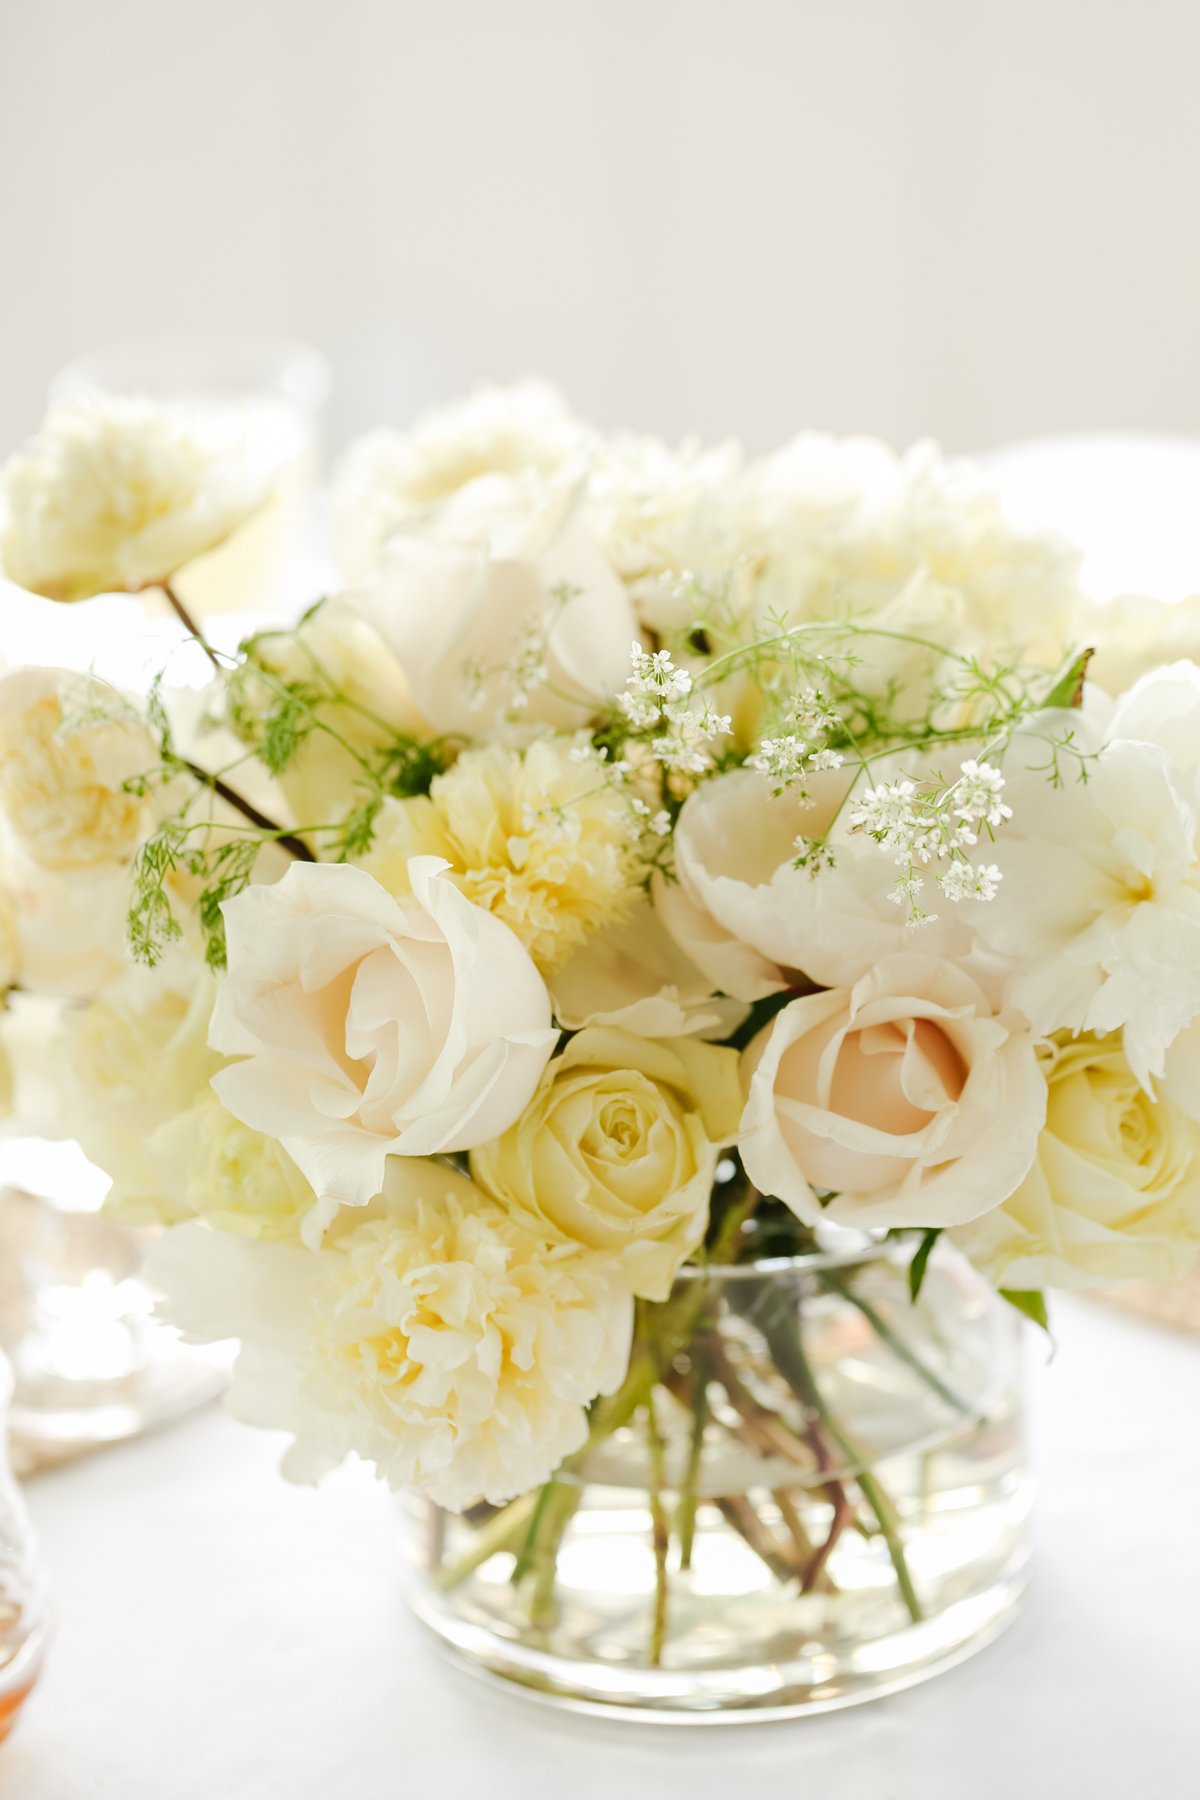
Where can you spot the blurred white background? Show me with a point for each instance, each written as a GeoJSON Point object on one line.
{"type": "Point", "coordinates": [969, 219]}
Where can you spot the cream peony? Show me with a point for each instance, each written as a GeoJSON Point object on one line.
{"type": "Point", "coordinates": [504, 602]}
{"type": "Point", "coordinates": [361, 703]}
{"type": "Point", "coordinates": [752, 921]}
{"type": "Point", "coordinates": [617, 1149]}
{"type": "Point", "coordinates": [633, 974]}
{"type": "Point", "coordinates": [117, 494]}
{"type": "Point", "coordinates": [68, 747]}
{"type": "Point", "coordinates": [532, 836]}
{"type": "Point", "coordinates": [1098, 916]}
{"type": "Point", "coordinates": [389, 480]}
{"type": "Point", "coordinates": [1114, 1194]}
{"type": "Point", "coordinates": [371, 1027]}
{"type": "Point", "coordinates": [904, 1096]}
{"type": "Point", "coordinates": [432, 1335]}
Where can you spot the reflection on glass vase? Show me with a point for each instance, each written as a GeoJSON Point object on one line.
{"type": "Point", "coordinates": [91, 1364]}
{"type": "Point", "coordinates": [22, 1586]}
{"type": "Point", "coordinates": [809, 1491]}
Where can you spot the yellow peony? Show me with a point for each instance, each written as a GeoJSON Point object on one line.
{"type": "Point", "coordinates": [531, 836]}
{"type": "Point", "coordinates": [67, 749]}
{"type": "Point", "coordinates": [1114, 1193]}
{"type": "Point", "coordinates": [617, 1149]}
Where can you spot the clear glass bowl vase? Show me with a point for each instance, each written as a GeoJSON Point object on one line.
{"type": "Point", "coordinates": [811, 1491]}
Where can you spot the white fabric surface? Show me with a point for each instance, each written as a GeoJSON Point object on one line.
{"type": "Point", "coordinates": [222, 1636]}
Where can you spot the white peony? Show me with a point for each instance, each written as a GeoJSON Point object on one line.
{"type": "Point", "coordinates": [752, 921]}
{"type": "Point", "coordinates": [431, 1334]}
{"type": "Point", "coordinates": [117, 494]}
{"type": "Point", "coordinates": [1098, 915]}
{"type": "Point", "coordinates": [506, 601]}
{"type": "Point", "coordinates": [369, 1026]}
{"type": "Point", "coordinates": [905, 1096]}
{"type": "Point", "coordinates": [389, 480]}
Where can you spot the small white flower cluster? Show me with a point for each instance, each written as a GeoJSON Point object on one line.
{"type": "Point", "coordinates": [528, 669]}
{"type": "Point", "coordinates": [660, 694]}
{"type": "Point", "coordinates": [936, 824]}
{"type": "Point", "coordinates": [791, 758]}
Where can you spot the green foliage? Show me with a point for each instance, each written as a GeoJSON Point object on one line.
{"type": "Point", "coordinates": [1031, 1302]}
{"type": "Point", "coordinates": [920, 1261]}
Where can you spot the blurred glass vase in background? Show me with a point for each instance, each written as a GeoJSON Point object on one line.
{"type": "Point", "coordinates": [22, 1586]}
{"type": "Point", "coordinates": [91, 1364]}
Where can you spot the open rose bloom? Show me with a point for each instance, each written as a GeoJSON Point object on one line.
{"type": "Point", "coordinates": [649, 863]}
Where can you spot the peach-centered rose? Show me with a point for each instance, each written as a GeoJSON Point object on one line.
{"type": "Point", "coordinates": [904, 1096]}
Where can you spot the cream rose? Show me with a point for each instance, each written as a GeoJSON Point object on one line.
{"type": "Point", "coordinates": [616, 1150]}
{"type": "Point", "coordinates": [1114, 1194]}
{"type": "Point", "coordinates": [371, 1027]}
{"type": "Point", "coordinates": [431, 1334]}
{"type": "Point", "coordinates": [904, 1096]}
{"type": "Point", "coordinates": [506, 584]}
{"type": "Point", "coordinates": [117, 494]}
{"type": "Point", "coordinates": [69, 744]}
{"type": "Point", "coordinates": [634, 975]}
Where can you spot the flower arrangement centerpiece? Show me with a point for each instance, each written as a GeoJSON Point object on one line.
{"type": "Point", "coordinates": [626, 1003]}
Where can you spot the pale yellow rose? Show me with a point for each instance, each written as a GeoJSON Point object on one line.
{"type": "Point", "coordinates": [128, 1064]}
{"type": "Point", "coordinates": [617, 1149]}
{"type": "Point", "coordinates": [9, 947]}
{"type": "Point", "coordinates": [532, 836]}
{"type": "Point", "coordinates": [69, 744]}
{"type": "Point", "coordinates": [905, 1097]}
{"type": "Point", "coordinates": [235, 1179]}
{"type": "Point", "coordinates": [1114, 1194]}
{"type": "Point", "coordinates": [115, 494]}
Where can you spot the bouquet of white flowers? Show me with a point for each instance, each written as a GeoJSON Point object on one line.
{"type": "Point", "coordinates": [650, 867]}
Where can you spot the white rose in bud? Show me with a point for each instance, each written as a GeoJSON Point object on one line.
{"type": "Point", "coordinates": [617, 1149]}
{"type": "Point", "coordinates": [389, 480]}
{"type": "Point", "coordinates": [69, 745]}
{"type": "Point", "coordinates": [431, 1334]}
{"type": "Point", "coordinates": [905, 1096]}
{"type": "Point", "coordinates": [372, 1027]}
{"type": "Point", "coordinates": [506, 598]}
{"type": "Point", "coordinates": [117, 494]}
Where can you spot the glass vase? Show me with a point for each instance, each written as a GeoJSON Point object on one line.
{"type": "Point", "coordinates": [22, 1587]}
{"type": "Point", "coordinates": [810, 1491]}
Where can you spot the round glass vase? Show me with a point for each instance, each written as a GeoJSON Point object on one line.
{"type": "Point", "coordinates": [811, 1490]}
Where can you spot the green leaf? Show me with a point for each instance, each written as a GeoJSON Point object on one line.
{"type": "Point", "coordinates": [1068, 689]}
{"type": "Point", "coordinates": [920, 1261]}
{"type": "Point", "coordinates": [1031, 1302]}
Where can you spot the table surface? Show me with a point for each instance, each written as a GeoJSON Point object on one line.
{"type": "Point", "coordinates": [223, 1636]}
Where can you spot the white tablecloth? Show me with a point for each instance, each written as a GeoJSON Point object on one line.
{"type": "Point", "coordinates": [222, 1636]}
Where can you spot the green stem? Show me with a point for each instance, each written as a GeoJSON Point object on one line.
{"type": "Point", "coordinates": [498, 1534]}
{"type": "Point", "coordinates": [685, 1514]}
{"type": "Point", "coordinates": [896, 1344]}
{"type": "Point", "coordinates": [661, 1536]}
{"type": "Point", "coordinates": [792, 1363]}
